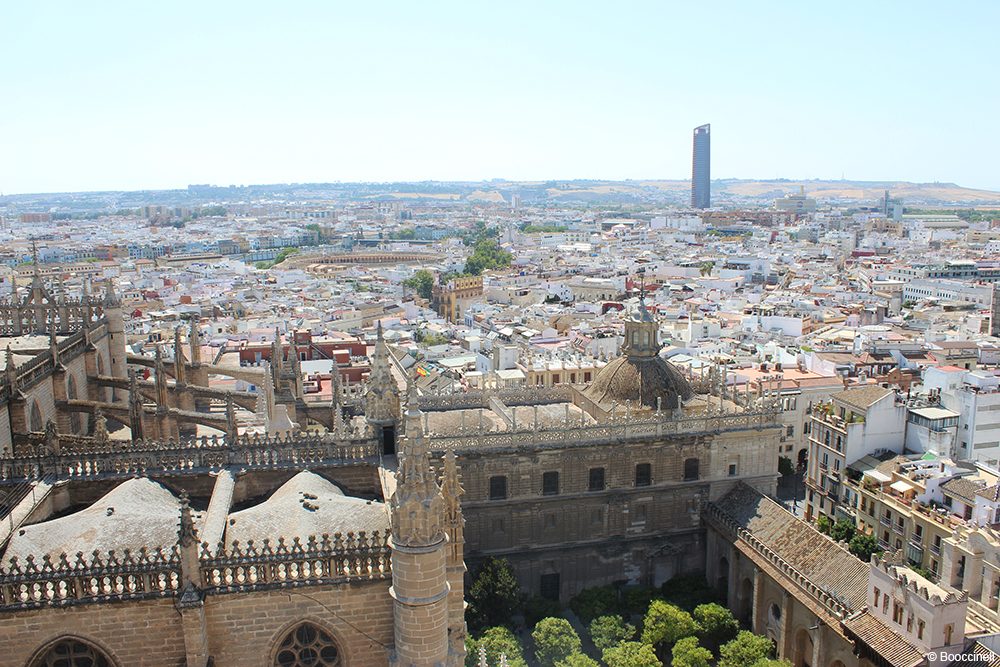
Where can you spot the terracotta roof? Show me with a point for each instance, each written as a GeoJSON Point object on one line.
{"type": "Point", "coordinates": [984, 657]}
{"type": "Point", "coordinates": [825, 563]}
{"type": "Point", "coordinates": [963, 488]}
{"type": "Point", "coordinates": [883, 640]}
{"type": "Point", "coordinates": [862, 397]}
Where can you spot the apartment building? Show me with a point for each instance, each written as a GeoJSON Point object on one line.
{"type": "Point", "coordinates": [855, 423]}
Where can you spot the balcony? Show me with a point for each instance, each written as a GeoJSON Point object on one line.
{"type": "Point", "coordinates": [885, 521]}
{"type": "Point", "coordinates": [935, 549]}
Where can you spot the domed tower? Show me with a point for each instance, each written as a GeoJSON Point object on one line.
{"type": "Point", "coordinates": [640, 377]}
{"type": "Point", "coordinates": [382, 397]}
{"type": "Point", "coordinates": [419, 556]}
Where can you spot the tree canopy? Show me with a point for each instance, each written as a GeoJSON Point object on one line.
{"type": "Point", "coordinates": [494, 595]}
{"type": "Point", "coordinates": [421, 282]}
{"type": "Point", "coordinates": [688, 653]}
{"type": "Point", "coordinates": [665, 624]}
{"type": "Point", "coordinates": [746, 650]}
{"type": "Point", "coordinates": [631, 654]}
{"type": "Point", "coordinates": [555, 640]}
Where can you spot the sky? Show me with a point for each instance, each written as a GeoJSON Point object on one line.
{"type": "Point", "coordinates": [149, 95]}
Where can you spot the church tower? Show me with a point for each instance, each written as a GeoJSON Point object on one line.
{"type": "Point", "coordinates": [382, 397]}
{"type": "Point", "coordinates": [116, 332]}
{"type": "Point", "coordinates": [419, 556]}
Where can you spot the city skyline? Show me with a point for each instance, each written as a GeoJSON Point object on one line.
{"type": "Point", "coordinates": [158, 97]}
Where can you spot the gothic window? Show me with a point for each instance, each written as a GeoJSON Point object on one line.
{"type": "Point", "coordinates": [72, 653]}
{"type": "Point", "coordinates": [643, 474]}
{"type": "Point", "coordinates": [550, 483]}
{"type": "Point", "coordinates": [36, 418]}
{"type": "Point", "coordinates": [307, 646]}
{"type": "Point", "coordinates": [498, 487]}
{"type": "Point", "coordinates": [690, 469]}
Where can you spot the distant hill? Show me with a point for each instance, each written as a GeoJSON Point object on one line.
{"type": "Point", "coordinates": [725, 192]}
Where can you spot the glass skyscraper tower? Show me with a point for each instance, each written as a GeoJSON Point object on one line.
{"type": "Point", "coordinates": [701, 173]}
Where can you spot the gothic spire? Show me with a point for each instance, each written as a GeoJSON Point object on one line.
{"type": "Point", "coordinates": [110, 296]}
{"type": "Point", "coordinates": [194, 341]}
{"type": "Point", "coordinates": [161, 383]}
{"type": "Point", "coordinates": [134, 406]}
{"type": "Point", "coordinates": [381, 394]}
{"type": "Point", "coordinates": [417, 505]}
{"type": "Point", "coordinates": [179, 369]}
{"type": "Point", "coordinates": [232, 431]}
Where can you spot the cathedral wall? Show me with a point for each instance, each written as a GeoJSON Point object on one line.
{"type": "Point", "coordinates": [146, 634]}
{"type": "Point", "coordinates": [245, 628]}
{"type": "Point", "coordinates": [77, 369]}
{"type": "Point", "coordinates": [624, 531]}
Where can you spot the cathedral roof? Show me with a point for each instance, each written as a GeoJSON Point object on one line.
{"type": "Point", "coordinates": [137, 513]}
{"type": "Point", "coordinates": [305, 505]}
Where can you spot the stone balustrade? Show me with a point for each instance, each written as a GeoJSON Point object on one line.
{"type": "Point", "coordinates": [91, 457]}
{"type": "Point", "coordinates": [155, 574]}
{"type": "Point", "coordinates": [128, 576]}
{"type": "Point", "coordinates": [327, 559]}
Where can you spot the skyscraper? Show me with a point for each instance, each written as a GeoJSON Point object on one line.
{"type": "Point", "coordinates": [701, 173]}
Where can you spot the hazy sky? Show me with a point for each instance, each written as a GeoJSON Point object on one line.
{"type": "Point", "coordinates": [130, 95]}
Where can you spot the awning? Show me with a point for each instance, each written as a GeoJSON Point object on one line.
{"type": "Point", "coordinates": [901, 486]}
{"type": "Point", "coordinates": [879, 477]}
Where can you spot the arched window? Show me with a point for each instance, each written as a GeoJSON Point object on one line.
{"type": "Point", "coordinates": [35, 423]}
{"type": "Point", "coordinates": [72, 652]}
{"type": "Point", "coordinates": [307, 646]}
{"type": "Point", "coordinates": [690, 469]}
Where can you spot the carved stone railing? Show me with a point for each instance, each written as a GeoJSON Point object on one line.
{"type": "Point", "coordinates": [238, 568]}
{"type": "Point", "coordinates": [625, 428]}
{"type": "Point", "coordinates": [481, 399]}
{"type": "Point", "coordinates": [113, 458]}
{"type": "Point", "coordinates": [336, 559]}
{"type": "Point", "coordinates": [18, 318]}
{"type": "Point", "coordinates": [833, 604]}
{"type": "Point", "coordinates": [129, 576]}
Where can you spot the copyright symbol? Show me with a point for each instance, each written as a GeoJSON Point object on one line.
{"type": "Point", "coordinates": [932, 656]}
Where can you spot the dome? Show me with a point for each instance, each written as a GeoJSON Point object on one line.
{"type": "Point", "coordinates": [640, 376]}
{"type": "Point", "coordinates": [641, 380]}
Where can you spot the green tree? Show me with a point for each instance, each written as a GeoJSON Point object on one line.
{"type": "Point", "coordinates": [578, 660]}
{"type": "Point", "coordinates": [744, 651]}
{"type": "Point", "coordinates": [606, 631]}
{"type": "Point", "coordinates": [842, 531]}
{"type": "Point", "coordinates": [718, 625]}
{"type": "Point", "coordinates": [772, 662]}
{"type": "Point", "coordinates": [497, 641]}
{"type": "Point", "coordinates": [665, 624]}
{"type": "Point", "coordinates": [487, 254]}
{"type": "Point", "coordinates": [421, 282]}
{"type": "Point", "coordinates": [631, 654]}
{"type": "Point", "coordinates": [555, 640]}
{"type": "Point", "coordinates": [688, 653]}
{"type": "Point", "coordinates": [494, 595]}
{"type": "Point", "coordinates": [536, 608]}
{"type": "Point", "coordinates": [688, 591]}
{"type": "Point", "coordinates": [590, 603]}
{"type": "Point", "coordinates": [863, 546]}
{"type": "Point", "coordinates": [823, 524]}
